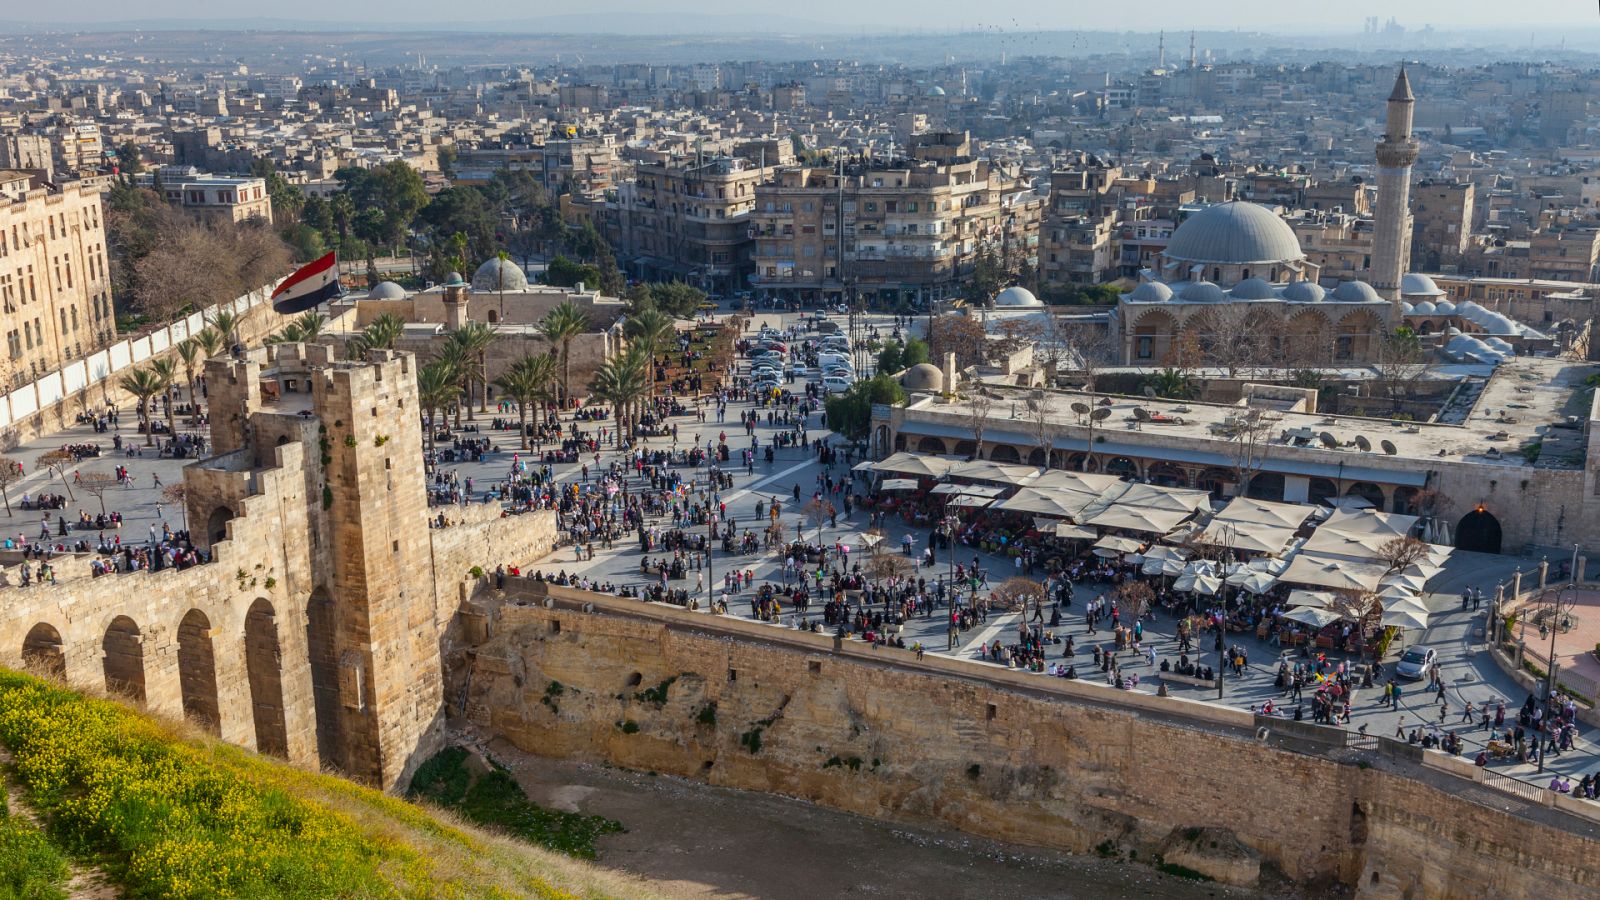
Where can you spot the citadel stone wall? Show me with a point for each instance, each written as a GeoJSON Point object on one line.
{"type": "Point", "coordinates": [1069, 765]}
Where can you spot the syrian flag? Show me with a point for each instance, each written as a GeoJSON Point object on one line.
{"type": "Point", "coordinates": [315, 283]}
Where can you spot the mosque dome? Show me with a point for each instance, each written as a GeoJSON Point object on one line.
{"type": "Point", "coordinates": [1151, 292]}
{"type": "Point", "coordinates": [1406, 308]}
{"type": "Point", "coordinates": [1425, 308]}
{"type": "Point", "coordinates": [1444, 308]}
{"type": "Point", "coordinates": [386, 290]}
{"type": "Point", "coordinates": [1253, 289]}
{"type": "Point", "coordinates": [1201, 292]}
{"type": "Point", "coordinates": [1234, 233]}
{"type": "Point", "coordinates": [1304, 292]}
{"type": "Point", "coordinates": [1016, 297]}
{"type": "Point", "coordinates": [923, 377]}
{"type": "Point", "coordinates": [1414, 284]}
{"type": "Point", "coordinates": [499, 274]}
{"type": "Point", "coordinates": [454, 278]}
{"type": "Point", "coordinates": [1356, 292]}
{"type": "Point", "coordinates": [936, 91]}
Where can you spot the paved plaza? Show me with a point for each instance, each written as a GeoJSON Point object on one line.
{"type": "Point", "coordinates": [1467, 669]}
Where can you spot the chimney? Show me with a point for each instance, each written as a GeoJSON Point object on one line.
{"type": "Point", "coordinates": [950, 373]}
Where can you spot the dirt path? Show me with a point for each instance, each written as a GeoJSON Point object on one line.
{"type": "Point", "coordinates": [85, 882]}
{"type": "Point", "coordinates": [698, 841]}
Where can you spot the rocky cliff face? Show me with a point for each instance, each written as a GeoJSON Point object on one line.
{"type": "Point", "coordinates": [784, 714]}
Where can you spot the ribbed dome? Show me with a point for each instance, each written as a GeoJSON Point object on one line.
{"type": "Point", "coordinates": [1356, 292]}
{"type": "Point", "coordinates": [499, 274]}
{"type": "Point", "coordinates": [1253, 289]}
{"type": "Point", "coordinates": [923, 377]}
{"type": "Point", "coordinates": [1414, 284]}
{"type": "Point", "coordinates": [1201, 292]}
{"type": "Point", "coordinates": [386, 290]}
{"type": "Point", "coordinates": [1304, 292]}
{"type": "Point", "coordinates": [1015, 297]}
{"type": "Point", "coordinates": [1234, 233]}
{"type": "Point", "coordinates": [1151, 292]}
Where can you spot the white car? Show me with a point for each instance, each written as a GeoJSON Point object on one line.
{"type": "Point", "coordinates": [836, 383]}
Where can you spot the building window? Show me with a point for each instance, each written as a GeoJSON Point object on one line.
{"type": "Point", "coordinates": [1144, 347]}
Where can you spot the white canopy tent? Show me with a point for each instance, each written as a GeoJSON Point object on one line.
{"type": "Point", "coordinates": [993, 472]}
{"type": "Point", "coordinates": [1312, 615]}
{"type": "Point", "coordinates": [1333, 572]}
{"type": "Point", "coordinates": [1313, 599]}
{"type": "Point", "coordinates": [898, 484]}
{"type": "Point", "coordinates": [1068, 531]}
{"type": "Point", "coordinates": [1404, 618]}
{"type": "Point", "coordinates": [916, 464]}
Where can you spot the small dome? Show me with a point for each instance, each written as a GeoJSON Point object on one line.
{"type": "Point", "coordinates": [1452, 331]}
{"type": "Point", "coordinates": [1151, 292]}
{"type": "Point", "coordinates": [1016, 297]}
{"type": "Point", "coordinates": [1444, 308]}
{"type": "Point", "coordinates": [1500, 344]}
{"type": "Point", "coordinates": [1201, 292]}
{"type": "Point", "coordinates": [1406, 308]}
{"type": "Point", "coordinates": [1356, 292]}
{"type": "Point", "coordinates": [1496, 323]}
{"type": "Point", "coordinates": [923, 377]}
{"type": "Point", "coordinates": [1417, 285]}
{"type": "Point", "coordinates": [1304, 292]}
{"type": "Point", "coordinates": [454, 278]}
{"type": "Point", "coordinates": [1425, 308]}
{"type": "Point", "coordinates": [1253, 289]}
{"type": "Point", "coordinates": [499, 275]}
{"type": "Point", "coordinates": [386, 290]}
{"type": "Point", "coordinates": [1467, 306]}
{"type": "Point", "coordinates": [936, 91]}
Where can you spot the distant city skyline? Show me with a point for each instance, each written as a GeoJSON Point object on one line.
{"type": "Point", "coordinates": [834, 16]}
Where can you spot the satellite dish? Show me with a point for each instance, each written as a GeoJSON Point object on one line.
{"type": "Point", "coordinates": [1328, 441]}
{"type": "Point", "coordinates": [1141, 414]}
{"type": "Point", "coordinates": [1363, 443]}
{"type": "Point", "coordinates": [1081, 409]}
{"type": "Point", "coordinates": [1150, 392]}
{"type": "Point", "coordinates": [1100, 414]}
{"type": "Point", "coordinates": [1388, 447]}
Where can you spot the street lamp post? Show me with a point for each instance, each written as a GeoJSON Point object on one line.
{"type": "Point", "coordinates": [1555, 627]}
{"type": "Point", "coordinates": [1222, 627]}
{"type": "Point", "coordinates": [950, 525]}
{"type": "Point", "coordinates": [711, 543]}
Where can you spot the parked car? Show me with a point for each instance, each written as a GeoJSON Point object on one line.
{"type": "Point", "coordinates": [836, 383]}
{"type": "Point", "coordinates": [1416, 662]}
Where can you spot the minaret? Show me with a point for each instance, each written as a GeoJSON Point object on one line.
{"type": "Point", "coordinates": [1391, 238]}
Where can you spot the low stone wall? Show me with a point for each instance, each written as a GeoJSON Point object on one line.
{"type": "Point", "coordinates": [1043, 761]}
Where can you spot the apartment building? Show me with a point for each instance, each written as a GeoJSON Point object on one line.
{"type": "Point", "coordinates": [1441, 223]}
{"type": "Point", "coordinates": [892, 229]}
{"type": "Point", "coordinates": [235, 199]}
{"type": "Point", "coordinates": [55, 288]}
{"type": "Point", "coordinates": [1078, 236]}
{"type": "Point", "coordinates": [685, 219]}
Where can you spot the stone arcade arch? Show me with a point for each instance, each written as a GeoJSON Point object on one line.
{"type": "Point", "coordinates": [1153, 336]}
{"type": "Point", "coordinates": [1322, 490]}
{"type": "Point", "coordinates": [197, 672]}
{"type": "Point", "coordinates": [1266, 486]}
{"type": "Point", "coordinates": [1308, 337]}
{"type": "Point", "coordinates": [42, 653]}
{"type": "Point", "coordinates": [930, 445]}
{"type": "Point", "coordinates": [263, 658]}
{"type": "Point", "coordinates": [1167, 475]}
{"type": "Point", "coordinates": [1368, 491]}
{"type": "Point", "coordinates": [217, 524]}
{"type": "Point", "coordinates": [1478, 531]}
{"type": "Point", "coordinates": [321, 648]}
{"type": "Point", "coordinates": [1005, 453]}
{"type": "Point", "coordinates": [123, 646]}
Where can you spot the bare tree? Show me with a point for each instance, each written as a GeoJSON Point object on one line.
{"type": "Point", "coordinates": [1134, 599]}
{"type": "Point", "coordinates": [1039, 415]}
{"type": "Point", "coordinates": [178, 493]}
{"type": "Point", "coordinates": [883, 566]}
{"type": "Point", "coordinates": [1232, 337]}
{"type": "Point", "coordinates": [1402, 551]}
{"type": "Point", "coordinates": [10, 473]}
{"type": "Point", "coordinates": [818, 512]}
{"type": "Point", "coordinates": [95, 484]}
{"type": "Point", "coordinates": [1401, 362]}
{"type": "Point", "coordinates": [1251, 433]}
{"type": "Point", "coordinates": [57, 461]}
{"type": "Point", "coordinates": [1089, 349]}
{"type": "Point", "coordinates": [1016, 593]}
{"type": "Point", "coordinates": [959, 335]}
{"type": "Point", "coordinates": [979, 407]}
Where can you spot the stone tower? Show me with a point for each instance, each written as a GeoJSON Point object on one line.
{"type": "Point", "coordinates": [1391, 240]}
{"type": "Point", "coordinates": [370, 623]}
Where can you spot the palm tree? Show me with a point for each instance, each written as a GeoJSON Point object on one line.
{"type": "Point", "coordinates": [437, 388]}
{"type": "Point", "coordinates": [210, 340]}
{"type": "Point", "coordinates": [189, 351]}
{"type": "Point", "coordinates": [379, 335]}
{"type": "Point", "coordinates": [1171, 384]}
{"type": "Point", "coordinates": [227, 324]}
{"type": "Point", "coordinates": [310, 325]}
{"type": "Point", "coordinates": [453, 354]}
{"type": "Point", "coordinates": [143, 384]}
{"type": "Point", "coordinates": [526, 382]}
{"type": "Point", "coordinates": [560, 326]}
{"type": "Point", "coordinates": [166, 370]}
{"type": "Point", "coordinates": [290, 334]}
{"type": "Point", "coordinates": [652, 331]}
{"type": "Point", "coordinates": [475, 338]}
{"type": "Point", "coordinates": [621, 383]}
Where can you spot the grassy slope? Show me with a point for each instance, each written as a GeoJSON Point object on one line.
{"type": "Point", "coordinates": [171, 814]}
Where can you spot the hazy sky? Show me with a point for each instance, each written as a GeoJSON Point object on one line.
{"type": "Point", "coordinates": [1148, 15]}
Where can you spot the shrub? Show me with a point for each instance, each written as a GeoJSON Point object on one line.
{"type": "Point", "coordinates": [31, 868]}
